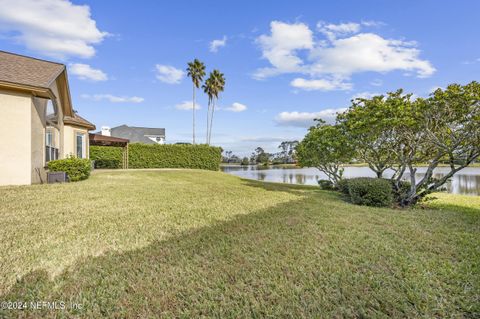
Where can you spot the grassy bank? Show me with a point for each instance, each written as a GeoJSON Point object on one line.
{"type": "Point", "coordinates": [194, 243]}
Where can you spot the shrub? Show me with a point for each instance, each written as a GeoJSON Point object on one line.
{"type": "Point", "coordinates": [174, 156]}
{"type": "Point", "coordinates": [342, 186]}
{"type": "Point", "coordinates": [77, 169]}
{"type": "Point", "coordinates": [370, 191]}
{"type": "Point", "coordinates": [325, 184]}
{"type": "Point", "coordinates": [107, 156]}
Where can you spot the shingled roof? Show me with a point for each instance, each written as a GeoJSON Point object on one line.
{"type": "Point", "coordinates": [137, 134]}
{"type": "Point", "coordinates": [22, 70]}
{"type": "Point", "coordinates": [78, 121]}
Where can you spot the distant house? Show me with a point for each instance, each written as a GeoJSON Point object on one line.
{"type": "Point", "coordinates": [37, 120]}
{"type": "Point", "coordinates": [136, 134]}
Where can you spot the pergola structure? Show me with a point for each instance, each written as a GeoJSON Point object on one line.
{"type": "Point", "coordinates": [103, 140]}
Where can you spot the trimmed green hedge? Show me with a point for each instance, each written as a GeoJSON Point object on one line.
{"type": "Point", "coordinates": [370, 191]}
{"type": "Point", "coordinates": [342, 186]}
{"type": "Point", "coordinates": [77, 169]}
{"type": "Point", "coordinates": [174, 156]}
{"type": "Point", "coordinates": [106, 156]}
{"type": "Point", "coordinates": [366, 191]}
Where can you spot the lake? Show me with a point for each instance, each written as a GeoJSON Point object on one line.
{"type": "Point", "coordinates": [466, 182]}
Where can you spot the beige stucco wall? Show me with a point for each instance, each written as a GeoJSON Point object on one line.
{"type": "Point", "coordinates": [22, 131]}
{"type": "Point", "coordinates": [38, 171]}
{"type": "Point", "coordinates": [69, 140]}
{"type": "Point", "coordinates": [60, 132]}
{"type": "Point", "coordinates": [16, 138]}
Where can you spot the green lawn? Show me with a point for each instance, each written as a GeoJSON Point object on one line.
{"type": "Point", "coordinates": [183, 243]}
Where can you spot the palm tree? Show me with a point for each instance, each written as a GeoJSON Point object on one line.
{"type": "Point", "coordinates": [209, 90]}
{"type": "Point", "coordinates": [196, 71]}
{"type": "Point", "coordinates": [218, 86]}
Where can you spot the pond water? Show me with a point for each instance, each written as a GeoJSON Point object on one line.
{"type": "Point", "coordinates": [466, 182]}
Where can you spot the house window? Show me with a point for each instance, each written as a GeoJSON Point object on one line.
{"type": "Point", "coordinates": [49, 138]}
{"type": "Point", "coordinates": [80, 145]}
{"type": "Point", "coordinates": [51, 153]}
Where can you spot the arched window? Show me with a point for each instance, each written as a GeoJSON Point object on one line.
{"type": "Point", "coordinates": [51, 113]}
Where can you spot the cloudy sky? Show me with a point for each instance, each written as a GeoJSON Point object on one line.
{"type": "Point", "coordinates": [285, 62]}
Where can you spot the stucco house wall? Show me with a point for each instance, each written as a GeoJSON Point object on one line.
{"type": "Point", "coordinates": [38, 173]}
{"type": "Point", "coordinates": [70, 145]}
{"type": "Point", "coordinates": [29, 89]}
{"type": "Point", "coordinates": [16, 133]}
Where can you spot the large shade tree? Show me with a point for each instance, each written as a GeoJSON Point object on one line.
{"type": "Point", "coordinates": [371, 126]}
{"type": "Point", "coordinates": [196, 71]}
{"type": "Point", "coordinates": [445, 129]}
{"type": "Point", "coordinates": [325, 147]}
{"type": "Point", "coordinates": [399, 133]}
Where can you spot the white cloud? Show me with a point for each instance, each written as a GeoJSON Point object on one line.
{"type": "Point", "coordinates": [365, 95]}
{"type": "Point", "coordinates": [306, 119]}
{"type": "Point", "coordinates": [113, 98]}
{"type": "Point", "coordinates": [57, 28]}
{"type": "Point", "coordinates": [187, 105]}
{"type": "Point", "coordinates": [320, 84]}
{"type": "Point", "coordinates": [343, 52]}
{"type": "Point", "coordinates": [235, 107]}
{"type": "Point", "coordinates": [267, 139]}
{"type": "Point", "coordinates": [372, 23]}
{"type": "Point", "coordinates": [471, 61]}
{"type": "Point", "coordinates": [334, 30]}
{"type": "Point", "coordinates": [368, 52]}
{"type": "Point", "coordinates": [280, 48]}
{"type": "Point", "coordinates": [216, 44]}
{"type": "Point", "coordinates": [86, 72]}
{"type": "Point", "coordinates": [376, 82]}
{"type": "Point", "coordinates": [169, 74]}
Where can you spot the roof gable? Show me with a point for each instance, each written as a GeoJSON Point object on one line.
{"type": "Point", "coordinates": [22, 70]}
{"type": "Point", "coordinates": [36, 77]}
{"type": "Point", "coordinates": [137, 134]}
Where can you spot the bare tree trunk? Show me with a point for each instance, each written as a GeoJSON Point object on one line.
{"type": "Point", "coordinates": [211, 121]}
{"type": "Point", "coordinates": [208, 121]}
{"type": "Point", "coordinates": [332, 172]}
{"type": "Point", "coordinates": [412, 196]}
{"type": "Point", "coordinates": [193, 108]}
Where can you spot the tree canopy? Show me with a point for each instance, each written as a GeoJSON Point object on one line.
{"type": "Point", "coordinates": [396, 132]}
{"type": "Point", "coordinates": [325, 147]}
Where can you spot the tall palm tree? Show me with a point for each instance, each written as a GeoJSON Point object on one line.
{"type": "Point", "coordinates": [214, 85]}
{"type": "Point", "coordinates": [218, 86]}
{"type": "Point", "coordinates": [209, 90]}
{"type": "Point", "coordinates": [196, 71]}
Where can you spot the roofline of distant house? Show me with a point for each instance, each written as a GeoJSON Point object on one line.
{"type": "Point", "coordinates": [161, 128]}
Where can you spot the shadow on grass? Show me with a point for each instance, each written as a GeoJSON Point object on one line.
{"type": "Point", "coordinates": [291, 188]}
{"type": "Point", "coordinates": [286, 261]}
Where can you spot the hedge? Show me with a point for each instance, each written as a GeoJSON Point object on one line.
{"type": "Point", "coordinates": [369, 187]}
{"type": "Point", "coordinates": [77, 169]}
{"type": "Point", "coordinates": [370, 191]}
{"type": "Point", "coordinates": [174, 156]}
{"type": "Point", "coordinates": [342, 186]}
{"type": "Point", "coordinates": [106, 156]}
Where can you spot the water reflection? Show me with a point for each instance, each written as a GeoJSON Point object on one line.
{"type": "Point", "coordinates": [467, 181]}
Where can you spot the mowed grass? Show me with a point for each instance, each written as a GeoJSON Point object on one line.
{"type": "Point", "coordinates": [188, 243]}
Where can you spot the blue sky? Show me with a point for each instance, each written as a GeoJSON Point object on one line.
{"type": "Point", "coordinates": [285, 62]}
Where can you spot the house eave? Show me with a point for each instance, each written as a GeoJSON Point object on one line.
{"type": "Point", "coordinates": [22, 88]}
